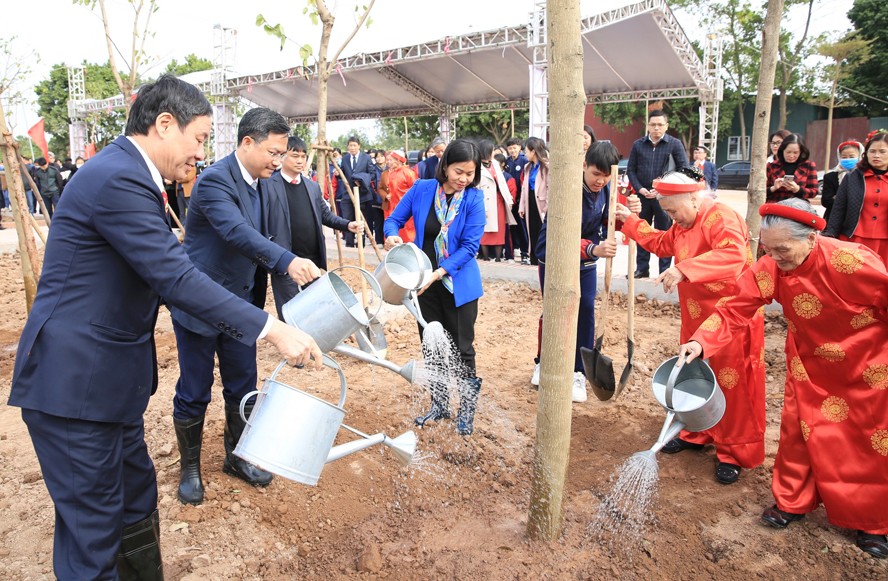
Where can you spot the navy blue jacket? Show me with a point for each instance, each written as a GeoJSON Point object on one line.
{"type": "Point", "coordinates": [463, 236]}
{"type": "Point", "coordinates": [593, 226]}
{"type": "Point", "coordinates": [516, 168]}
{"type": "Point", "coordinates": [87, 350]}
{"type": "Point", "coordinates": [363, 173]}
{"type": "Point", "coordinates": [224, 241]}
{"type": "Point", "coordinates": [284, 287]}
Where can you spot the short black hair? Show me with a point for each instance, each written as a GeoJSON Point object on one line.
{"type": "Point", "coordinates": [485, 147]}
{"type": "Point", "coordinates": [295, 144]}
{"type": "Point", "coordinates": [458, 151]}
{"type": "Point", "coordinates": [602, 155]}
{"type": "Point", "coordinates": [793, 138]}
{"type": "Point", "coordinates": [514, 141]}
{"type": "Point", "coordinates": [40, 161]}
{"type": "Point", "coordinates": [167, 94]}
{"type": "Point", "coordinates": [658, 113]}
{"type": "Point", "coordinates": [259, 122]}
{"type": "Point", "coordinates": [354, 139]}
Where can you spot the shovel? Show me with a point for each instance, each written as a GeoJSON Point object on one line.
{"type": "Point", "coordinates": [599, 368]}
{"type": "Point", "coordinates": [630, 324]}
{"type": "Point", "coordinates": [374, 341]}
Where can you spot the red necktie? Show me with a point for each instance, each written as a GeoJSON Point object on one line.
{"type": "Point", "coordinates": [294, 181]}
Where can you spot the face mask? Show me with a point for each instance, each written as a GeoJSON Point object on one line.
{"type": "Point", "coordinates": [848, 164]}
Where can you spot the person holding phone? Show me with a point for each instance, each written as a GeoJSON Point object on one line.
{"type": "Point", "coordinates": [791, 174]}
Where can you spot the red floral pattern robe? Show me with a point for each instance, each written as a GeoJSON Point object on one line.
{"type": "Point", "coordinates": [711, 255]}
{"type": "Point", "coordinates": [834, 430]}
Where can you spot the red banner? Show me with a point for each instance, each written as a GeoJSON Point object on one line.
{"type": "Point", "coordinates": [39, 137]}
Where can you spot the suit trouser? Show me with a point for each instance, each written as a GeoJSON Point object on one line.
{"type": "Point", "coordinates": [237, 367]}
{"type": "Point", "coordinates": [585, 317]}
{"type": "Point", "coordinates": [101, 479]}
{"type": "Point", "coordinates": [652, 213]}
{"type": "Point", "coordinates": [348, 212]}
{"type": "Point", "coordinates": [438, 304]}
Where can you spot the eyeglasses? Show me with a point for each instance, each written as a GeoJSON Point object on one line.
{"type": "Point", "coordinates": [275, 156]}
{"type": "Point", "coordinates": [776, 143]}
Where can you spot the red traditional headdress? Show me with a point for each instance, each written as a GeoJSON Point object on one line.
{"type": "Point", "coordinates": [794, 214]}
{"type": "Point", "coordinates": [399, 155]}
{"type": "Point", "coordinates": [873, 133]}
{"type": "Point", "coordinates": [675, 182]}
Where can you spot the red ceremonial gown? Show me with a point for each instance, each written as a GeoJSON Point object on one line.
{"type": "Point", "coordinates": [711, 255]}
{"type": "Point", "coordinates": [834, 429]}
{"type": "Point", "coordinates": [400, 179]}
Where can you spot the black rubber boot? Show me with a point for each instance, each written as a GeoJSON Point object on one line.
{"type": "Point", "coordinates": [139, 557]}
{"type": "Point", "coordinates": [440, 409]}
{"type": "Point", "coordinates": [238, 467]}
{"type": "Point", "coordinates": [470, 387]}
{"type": "Point", "coordinates": [189, 435]}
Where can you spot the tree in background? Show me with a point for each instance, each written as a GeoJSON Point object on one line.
{"type": "Point", "coordinates": [840, 53]}
{"type": "Point", "coordinates": [493, 125]}
{"type": "Point", "coordinates": [421, 130]}
{"type": "Point", "coordinates": [867, 79]}
{"type": "Point", "coordinates": [141, 22]}
{"type": "Point", "coordinates": [192, 64]}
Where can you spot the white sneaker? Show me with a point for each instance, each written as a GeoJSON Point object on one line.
{"type": "Point", "coordinates": [579, 387]}
{"type": "Point", "coordinates": [535, 379]}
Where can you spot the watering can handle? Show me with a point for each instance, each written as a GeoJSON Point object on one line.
{"type": "Point", "coordinates": [670, 383]}
{"type": "Point", "coordinates": [328, 362]}
{"type": "Point", "coordinates": [374, 284]}
{"type": "Point", "coordinates": [243, 404]}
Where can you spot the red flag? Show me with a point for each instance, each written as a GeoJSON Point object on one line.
{"type": "Point", "coordinates": [89, 151]}
{"type": "Point", "coordinates": [39, 137]}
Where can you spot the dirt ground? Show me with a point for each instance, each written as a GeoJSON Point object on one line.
{"type": "Point", "coordinates": [461, 510]}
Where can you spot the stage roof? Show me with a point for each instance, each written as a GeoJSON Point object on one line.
{"type": "Point", "coordinates": [632, 53]}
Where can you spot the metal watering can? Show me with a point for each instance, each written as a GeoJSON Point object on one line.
{"type": "Point", "coordinates": [328, 309]}
{"type": "Point", "coordinates": [290, 433]}
{"type": "Point", "coordinates": [404, 271]}
{"type": "Point", "coordinates": [691, 397]}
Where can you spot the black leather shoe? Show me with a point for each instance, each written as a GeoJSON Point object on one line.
{"type": "Point", "coordinates": [727, 473]}
{"type": "Point", "coordinates": [642, 273]}
{"type": "Point", "coordinates": [875, 545]}
{"type": "Point", "coordinates": [778, 519]}
{"type": "Point", "coordinates": [677, 445]}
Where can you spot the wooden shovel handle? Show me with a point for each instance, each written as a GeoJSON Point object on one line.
{"type": "Point", "coordinates": [609, 263]}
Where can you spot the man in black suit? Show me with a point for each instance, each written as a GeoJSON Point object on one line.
{"type": "Point", "coordinates": [296, 213]}
{"type": "Point", "coordinates": [227, 238]}
{"type": "Point", "coordinates": [359, 171]}
{"type": "Point", "coordinates": [86, 363]}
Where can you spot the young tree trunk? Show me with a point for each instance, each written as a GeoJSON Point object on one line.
{"type": "Point", "coordinates": [741, 105]}
{"type": "Point", "coordinates": [561, 303]}
{"type": "Point", "coordinates": [27, 246]}
{"type": "Point", "coordinates": [829, 116]}
{"type": "Point", "coordinates": [762, 120]}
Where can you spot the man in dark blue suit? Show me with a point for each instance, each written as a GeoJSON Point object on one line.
{"type": "Point", "coordinates": [227, 239]}
{"type": "Point", "coordinates": [359, 171]}
{"type": "Point", "coordinates": [297, 212]}
{"type": "Point", "coordinates": [86, 363]}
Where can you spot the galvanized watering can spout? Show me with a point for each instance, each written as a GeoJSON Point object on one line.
{"type": "Point", "coordinates": [407, 371]}
{"type": "Point", "coordinates": [670, 430]}
{"type": "Point", "coordinates": [404, 446]}
{"type": "Point", "coordinates": [411, 301]}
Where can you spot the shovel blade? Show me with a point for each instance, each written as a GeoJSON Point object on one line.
{"type": "Point", "coordinates": [599, 369]}
{"type": "Point", "coordinates": [627, 371]}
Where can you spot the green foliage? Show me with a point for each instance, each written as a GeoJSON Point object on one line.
{"type": "Point", "coordinates": [52, 102]}
{"type": "Point", "coordinates": [493, 125]}
{"type": "Point", "coordinates": [342, 141]}
{"type": "Point", "coordinates": [421, 130]}
{"type": "Point", "coordinates": [870, 18]}
{"type": "Point", "coordinates": [193, 63]}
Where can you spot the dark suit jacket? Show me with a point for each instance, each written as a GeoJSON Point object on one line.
{"type": "Point", "coordinates": [87, 350]}
{"type": "Point", "coordinates": [284, 287]}
{"type": "Point", "coordinates": [364, 172]}
{"type": "Point", "coordinates": [225, 242]}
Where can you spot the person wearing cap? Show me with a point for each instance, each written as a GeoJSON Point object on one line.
{"type": "Point", "coordinates": [701, 152]}
{"type": "Point", "coordinates": [834, 428]}
{"type": "Point", "coordinates": [710, 243]}
{"type": "Point", "coordinates": [860, 210]}
{"type": "Point", "coordinates": [849, 154]}
{"type": "Point", "coordinates": [399, 179]}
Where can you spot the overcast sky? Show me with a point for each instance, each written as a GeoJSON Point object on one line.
{"type": "Point", "coordinates": [60, 32]}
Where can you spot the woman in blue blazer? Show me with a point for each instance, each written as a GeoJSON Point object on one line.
{"type": "Point", "coordinates": [448, 212]}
